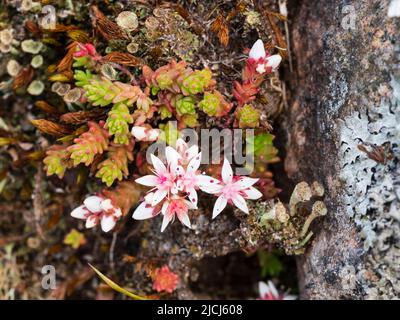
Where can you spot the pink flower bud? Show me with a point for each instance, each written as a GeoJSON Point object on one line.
{"type": "Point", "coordinates": [274, 61]}
{"type": "Point", "coordinates": [145, 134]}
{"type": "Point", "coordinates": [139, 133]}
{"type": "Point", "coordinates": [90, 49]}
{"type": "Point", "coordinates": [107, 222]}
{"type": "Point", "coordinates": [257, 51]}
{"type": "Point", "coordinates": [92, 203]}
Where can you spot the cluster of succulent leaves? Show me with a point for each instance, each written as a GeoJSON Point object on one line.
{"type": "Point", "coordinates": [171, 92]}
{"type": "Point", "coordinates": [84, 150]}
{"type": "Point", "coordinates": [174, 92]}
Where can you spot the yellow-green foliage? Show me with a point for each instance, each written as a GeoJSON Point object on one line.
{"type": "Point", "coordinates": [118, 122]}
{"type": "Point", "coordinates": [116, 166]}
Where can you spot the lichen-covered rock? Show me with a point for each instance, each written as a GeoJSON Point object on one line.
{"type": "Point", "coordinates": [344, 127]}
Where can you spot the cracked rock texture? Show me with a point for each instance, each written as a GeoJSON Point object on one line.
{"type": "Point", "coordinates": [346, 93]}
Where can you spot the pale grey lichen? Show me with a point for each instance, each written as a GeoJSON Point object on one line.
{"type": "Point", "coordinates": [13, 67]}
{"type": "Point", "coordinates": [372, 189]}
{"type": "Point", "coordinates": [127, 20]}
{"type": "Point", "coordinates": [37, 61]}
{"type": "Point", "coordinates": [6, 36]}
{"type": "Point", "coordinates": [31, 46]}
{"type": "Point", "coordinates": [35, 88]}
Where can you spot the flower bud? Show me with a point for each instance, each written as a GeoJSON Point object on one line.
{"type": "Point", "coordinates": [257, 51]}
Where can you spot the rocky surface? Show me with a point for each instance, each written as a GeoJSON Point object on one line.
{"type": "Point", "coordinates": [346, 94]}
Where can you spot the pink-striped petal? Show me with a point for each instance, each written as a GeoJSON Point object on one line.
{"type": "Point", "coordinates": [206, 181]}
{"type": "Point", "coordinates": [91, 222]}
{"type": "Point", "coordinates": [165, 222]}
{"type": "Point", "coordinates": [149, 180]}
{"type": "Point", "coordinates": [184, 218]}
{"type": "Point", "coordinates": [80, 212]}
{"type": "Point", "coordinates": [251, 193]}
{"type": "Point", "coordinates": [172, 156]}
{"type": "Point", "coordinates": [107, 223]}
{"type": "Point", "coordinates": [191, 152]}
{"type": "Point", "coordinates": [226, 172]}
{"type": "Point", "coordinates": [194, 164]}
{"type": "Point", "coordinates": [192, 196]}
{"type": "Point", "coordinates": [144, 211]}
{"type": "Point", "coordinates": [158, 165]}
{"type": "Point", "coordinates": [240, 203]}
{"type": "Point", "coordinates": [219, 205]}
{"type": "Point", "coordinates": [158, 196]}
{"type": "Point", "coordinates": [245, 182]}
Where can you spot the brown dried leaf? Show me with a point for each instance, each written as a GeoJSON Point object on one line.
{"type": "Point", "coordinates": [50, 127]}
{"type": "Point", "coordinates": [46, 107]}
{"type": "Point", "coordinates": [23, 78]}
{"type": "Point", "coordinates": [81, 117]}
{"type": "Point", "coordinates": [376, 153]}
{"type": "Point", "coordinates": [281, 42]}
{"type": "Point", "coordinates": [29, 157]}
{"type": "Point", "coordinates": [61, 28]}
{"type": "Point", "coordinates": [107, 28]}
{"type": "Point", "coordinates": [78, 35]}
{"type": "Point", "coordinates": [66, 63]}
{"type": "Point", "coordinates": [124, 59]}
{"type": "Point", "coordinates": [277, 15]}
{"type": "Point", "coordinates": [240, 7]}
{"type": "Point", "coordinates": [221, 29]}
{"type": "Point", "coordinates": [32, 27]}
